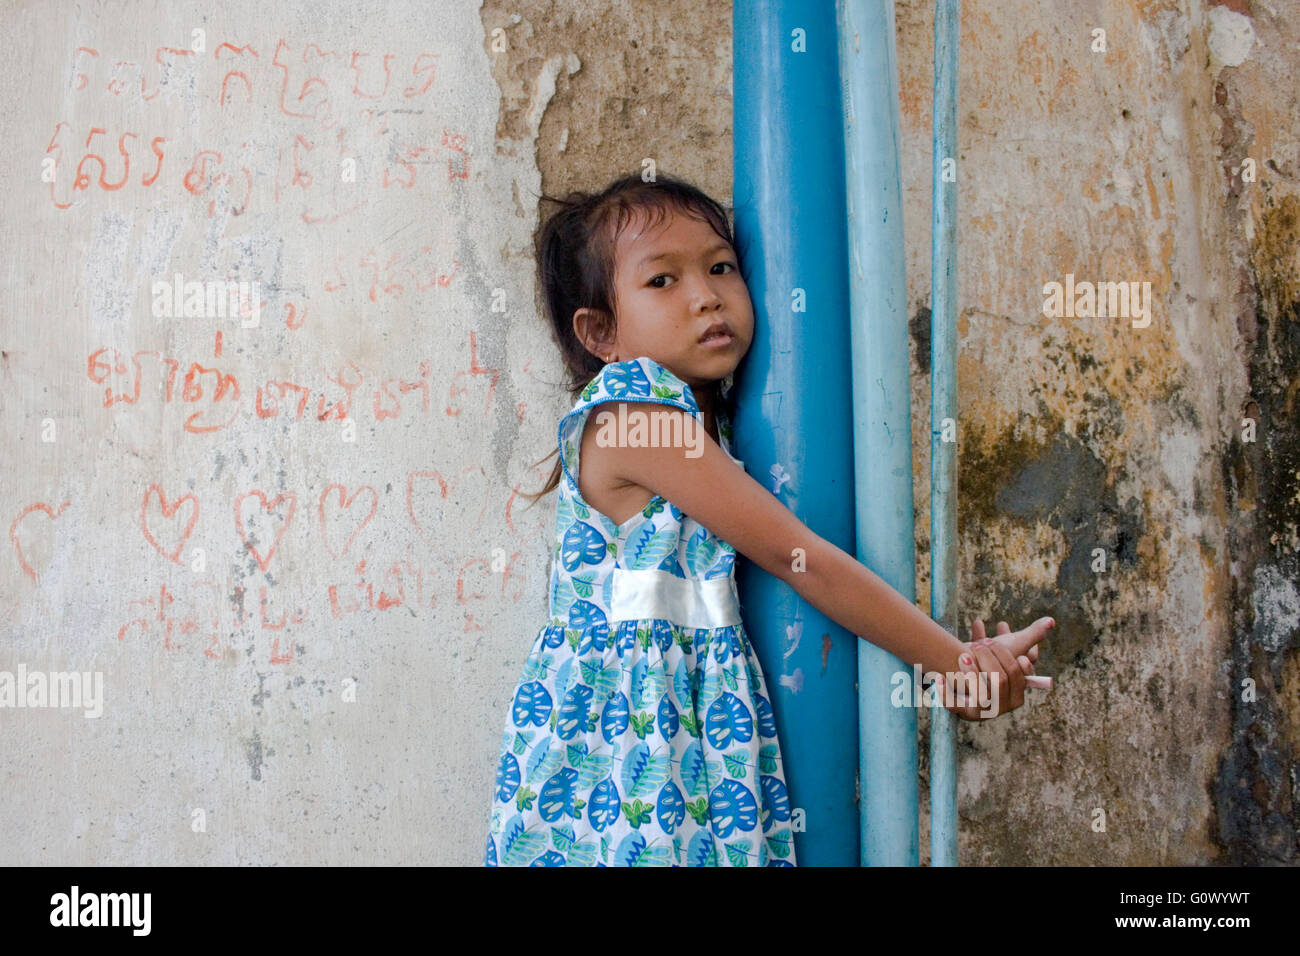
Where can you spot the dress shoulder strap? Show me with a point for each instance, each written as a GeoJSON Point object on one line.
{"type": "Point", "coordinates": [640, 380]}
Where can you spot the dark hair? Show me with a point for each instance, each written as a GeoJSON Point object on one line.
{"type": "Point", "coordinates": [575, 264]}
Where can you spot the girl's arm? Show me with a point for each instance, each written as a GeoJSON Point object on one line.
{"type": "Point", "coordinates": [721, 496]}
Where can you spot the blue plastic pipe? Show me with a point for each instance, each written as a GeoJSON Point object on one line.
{"type": "Point", "coordinates": [943, 413]}
{"type": "Point", "coordinates": [882, 419]}
{"type": "Point", "coordinates": [793, 426]}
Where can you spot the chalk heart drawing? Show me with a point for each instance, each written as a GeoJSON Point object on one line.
{"type": "Point", "coordinates": [265, 515]}
{"type": "Point", "coordinates": [431, 497]}
{"type": "Point", "coordinates": [343, 512]}
{"type": "Point", "coordinates": [166, 521]}
{"type": "Point", "coordinates": [52, 514]}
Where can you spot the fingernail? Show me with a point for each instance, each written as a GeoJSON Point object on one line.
{"type": "Point", "coordinates": [965, 659]}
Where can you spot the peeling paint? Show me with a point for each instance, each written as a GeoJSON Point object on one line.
{"type": "Point", "coordinates": [1232, 36]}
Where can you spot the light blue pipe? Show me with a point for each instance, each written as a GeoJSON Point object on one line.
{"type": "Point", "coordinates": [882, 419]}
{"type": "Point", "coordinates": [793, 426]}
{"type": "Point", "coordinates": [943, 411]}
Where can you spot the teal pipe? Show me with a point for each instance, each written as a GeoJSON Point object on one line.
{"type": "Point", "coordinates": [943, 414]}
{"type": "Point", "coordinates": [793, 426]}
{"type": "Point", "coordinates": [882, 418]}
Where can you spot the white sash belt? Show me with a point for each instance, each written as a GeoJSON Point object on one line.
{"type": "Point", "coordinates": [687, 602]}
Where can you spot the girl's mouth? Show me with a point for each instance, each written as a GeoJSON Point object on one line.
{"type": "Point", "coordinates": [717, 340]}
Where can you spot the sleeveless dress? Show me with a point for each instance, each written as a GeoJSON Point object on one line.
{"type": "Point", "coordinates": [641, 732]}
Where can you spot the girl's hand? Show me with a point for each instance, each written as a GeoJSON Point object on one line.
{"type": "Point", "coordinates": [1000, 665]}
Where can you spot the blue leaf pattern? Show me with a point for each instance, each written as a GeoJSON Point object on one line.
{"type": "Point", "coordinates": [643, 772]}
{"type": "Point", "coordinates": [651, 547]}
{"type": "Point", "coordinates": [591, 767]}
{"type": "Point", "coordinates": [605, 804]}
{"type": "Point", "coordinates": [583, 854]}
{"type": "Point", "coordinates": [583, 544]}
{"type": "Point", "coordinates": [507, 776]}
{"type": "Point", "coordinates": [726, 564]}
{"type": "Point", "coordinates": [702, 549]}
{"type": "Point", "coordinates": [776, 799]}
{"type": "Point", "coordinates": [662, 633]}
{"type": "Point", "coordinates": [546, 756]}
{"type": "Point", "coordinates": [668, 721]}
{"type": "Point", "coordinates": [733, 808]}
{"type": "Point", "coordinates": [682, 686]}
{"type": "Point", "coordinates": [695, 769]}
{"type": "Point", "coordinates": [636, 743]}
{"type": "Point", "coordinates": [766, 722]}
{"type": "Point", "coordinates": [728, 721]}
{"type": "Point", "coordinates": [519, 847]}
{"type": "Point", "coordinates": [614, 719]}
{"type": "Point", "coordinates": [672, 564]}
{"type": "Point", "coordinates": [532, 704]}
{"type": "Point", "coordinates": [700, 851]}
{"type": "Point", "coordinates": [640, 674]}
{"type": "Point", "coordinates": [584, 615]}
{"type": "Point", "coordinates": [626, 380]}
{"type": "Point", "coordinates": [557, 795]}
{"type": "Point", "coordinates": [573, 714]}
{"type": "Point", "coordinates": [634, 851]}
{"type": "Point", "coordinates": [670, 808]}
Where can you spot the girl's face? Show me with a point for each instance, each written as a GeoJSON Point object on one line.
{"type": "Point", "coordinates": [674, 283]}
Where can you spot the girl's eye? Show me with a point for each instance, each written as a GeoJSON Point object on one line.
{"type": "Point", "coordinates": [730, 267]}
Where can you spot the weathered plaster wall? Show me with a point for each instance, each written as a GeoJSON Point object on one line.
{"type": "Point", "coordinates": [1089, 433]}
{"type": "Point", "coordinates": [1076, 434]}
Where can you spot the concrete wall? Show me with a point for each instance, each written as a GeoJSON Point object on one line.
{"type": "Point", "coordinates": [306, 617]}
{"type": "Point", "coordinates": [1085, 442]}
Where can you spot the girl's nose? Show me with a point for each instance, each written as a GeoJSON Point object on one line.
{"type": "Point", "coordinates": [706, 299]}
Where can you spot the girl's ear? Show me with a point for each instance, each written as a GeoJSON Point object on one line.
{"type": "Point", "coordinates": [595, 329]}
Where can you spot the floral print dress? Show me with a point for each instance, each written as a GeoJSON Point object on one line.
{"type": "Point", "coordinates": [641, 732]}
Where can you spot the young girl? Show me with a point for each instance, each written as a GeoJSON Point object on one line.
{"type": "Point", "coordinates": [642, 731]}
